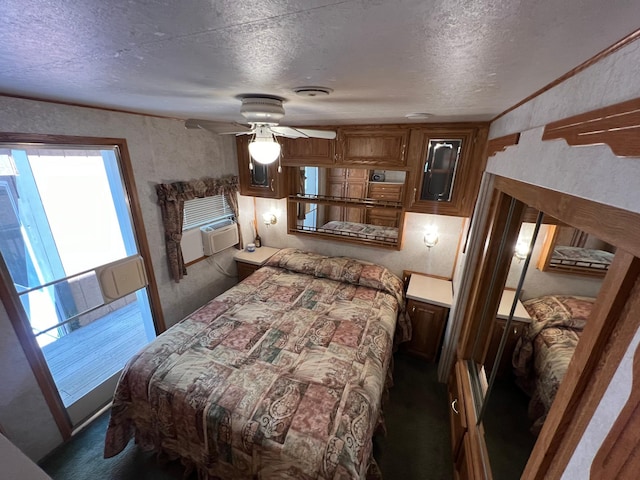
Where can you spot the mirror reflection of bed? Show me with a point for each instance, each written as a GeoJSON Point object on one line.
{"type": "Point", "coordinates": [537, 350]}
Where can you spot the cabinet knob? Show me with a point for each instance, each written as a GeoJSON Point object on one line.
{"type": "Point", "coordinates": [413, 309]}
{"type": "Point", "coordinates": [453, 407]}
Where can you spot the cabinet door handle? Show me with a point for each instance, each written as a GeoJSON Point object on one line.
{"type": "Point", "coordinates": [404, 145]}
{"type": "Point", "coordinates": [453, 407]}
{"type": "Point", "coordinates": [272, 189]}
{"type": "Point", "coordinates": [413, 309]}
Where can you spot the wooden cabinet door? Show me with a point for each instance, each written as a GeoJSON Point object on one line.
{"type": "Point", "coordinates": [428, 322]}
{"type": "Point", "coordinates": [308, 151]}
{"type": "Point", "coordinates": [446, 165]}
{"type": "Point", "coordinates": [263, 180]}
{"type": "Point", "coordinates": [457, 415]}
{"type": "Point", "coordinates": [373, 145]}
{"type": "Point", "coordinates": [245, 269]}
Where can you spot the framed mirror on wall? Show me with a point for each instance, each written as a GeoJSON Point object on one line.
{"type": "Point", "coordinates": [520, 342]}
{"type": "Point", "coordinates": [349, 204]}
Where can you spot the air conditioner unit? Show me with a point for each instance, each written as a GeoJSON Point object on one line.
{"type": "Point", "coordinates": [218, 236]}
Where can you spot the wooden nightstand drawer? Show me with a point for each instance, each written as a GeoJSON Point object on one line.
{"type": "Point", "coordinates": [245, 269]}
{"type": "Point", "coordinates": [248, 262]}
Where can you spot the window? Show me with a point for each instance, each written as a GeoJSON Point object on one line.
{"type": "Point", "coordinates": [201, 211]}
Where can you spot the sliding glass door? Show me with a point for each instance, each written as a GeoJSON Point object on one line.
{"type": "Point", "coordinates": [67, 241]}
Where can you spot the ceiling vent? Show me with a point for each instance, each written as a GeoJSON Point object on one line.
{"type": "Point", "coordinates": [312, 91]}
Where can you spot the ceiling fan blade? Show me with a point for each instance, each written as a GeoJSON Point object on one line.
{"type": "Point", "coordinates": [217, 127]}
{"type": "Point", "coordinates": [292, 132]}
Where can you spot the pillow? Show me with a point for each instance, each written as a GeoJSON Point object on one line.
{"type": "Point", "coordinates": [341, 269]}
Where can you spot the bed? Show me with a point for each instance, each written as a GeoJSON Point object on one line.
{"type": "Point", "coordinates": [543, 352]}
{"type": "Point", "coordinates": [279, 377]}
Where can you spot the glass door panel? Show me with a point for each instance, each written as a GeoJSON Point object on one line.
{"type": "Point", "coordinates": [65, 217]}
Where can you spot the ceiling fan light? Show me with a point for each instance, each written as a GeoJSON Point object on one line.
{"type": "Point", "coordinates": [264, 150]}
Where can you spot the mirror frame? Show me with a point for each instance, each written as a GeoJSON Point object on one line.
{"type": "Point", "coordinates": [610, 329]}
{"type": "Point", "coordinates": [364, 203]}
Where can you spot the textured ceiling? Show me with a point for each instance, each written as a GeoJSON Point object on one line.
{"type": "Point", "coordinates": [456, 59]}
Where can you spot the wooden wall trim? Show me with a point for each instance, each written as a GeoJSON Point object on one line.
{"type": "Point", "coordinates": [141, 235]}
{"type": "Point", "coordinates": [617, 126]}
{"type": "Point", "coordinates": [500, 144]}
{"type": "Point", "coordinates": [633, 36]}
{"type": "Point", "coordinates": [618, 455]}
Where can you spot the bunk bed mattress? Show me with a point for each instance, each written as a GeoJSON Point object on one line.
{"type": "Point", "coordinates": [279, 377]}
{"type": "Point", "coordinates": [581, 257]}
{"type": "Point", "coordinates": [543, 353]}
{"type": "Point", "coordinates": [362, 230]}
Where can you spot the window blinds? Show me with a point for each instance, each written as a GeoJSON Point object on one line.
{"type": "Point", "coordinates": [201, 211]}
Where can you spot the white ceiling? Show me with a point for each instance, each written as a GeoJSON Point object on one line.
{"type": "Point", "coordinates": [456, 59]}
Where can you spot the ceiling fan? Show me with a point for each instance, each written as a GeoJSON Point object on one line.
{"type": "Point", "coordinates": [263, 114]}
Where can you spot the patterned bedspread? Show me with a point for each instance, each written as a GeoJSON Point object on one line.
{"type": "Point", "coordinates": [279, 377]}
{"type": "Point", "coordinates": [542, 355]}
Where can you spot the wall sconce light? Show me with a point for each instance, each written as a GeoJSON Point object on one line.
{"type": "Point", "coordinates": [521, 250]}
{"type": "Point", "coordinates": [269, 218]}
{"type": "Point", "coordinates": [430, 236]}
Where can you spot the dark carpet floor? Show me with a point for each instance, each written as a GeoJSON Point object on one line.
{"type": "Point", "coordinates": [417, 445]}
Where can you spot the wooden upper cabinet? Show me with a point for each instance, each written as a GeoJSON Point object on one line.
{"type": "Point", "coordinates": [308, 151]}
{"type": "Point", "coordinates": [263, 180]}
{"type": "Point", "coordinates": [446, 165]}
{"type": "Point", "coordinates": [375, 145]}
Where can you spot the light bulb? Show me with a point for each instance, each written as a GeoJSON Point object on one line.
{"type": "Point", "coordinates": [264, 150]}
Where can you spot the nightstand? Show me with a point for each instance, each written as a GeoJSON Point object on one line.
{"type": "Point", "coordinates": [428, 304]}
{"type": "Point", "coordinates": [249, 262]}
{"type": "Point", "coordinates": [520, 320]}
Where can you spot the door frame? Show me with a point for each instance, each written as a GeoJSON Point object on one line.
{"type": "Point", "coordinates": [12, 304]}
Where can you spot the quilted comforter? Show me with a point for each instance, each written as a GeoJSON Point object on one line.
{"type": "Point", "coordinates": [279, 377]}
{"type": "Point", "coordinates": [543, 353]}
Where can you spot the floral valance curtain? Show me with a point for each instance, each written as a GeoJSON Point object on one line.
{"type": "Point", "coordinates": [171, 198]}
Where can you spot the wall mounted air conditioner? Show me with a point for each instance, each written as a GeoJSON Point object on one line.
{"type": "Point", "coordinates": [218, 236]}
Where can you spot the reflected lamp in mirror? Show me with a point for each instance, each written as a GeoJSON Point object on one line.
{"type": "Point", "coordinates": [264, 148]}
{"type": "Point", "coordinates": [430, 237]}
{"type": "Point", "coordinates": [269, 218]}
{"type": "Point", "coordinates": [522, 250]}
